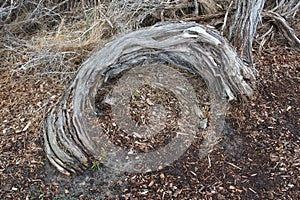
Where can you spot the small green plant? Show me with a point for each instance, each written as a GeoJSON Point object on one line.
{"type": "Point", "coordinates": [136, 94]}
{"type": "Point", "coordinates": [96, 166]}
{"type": "Point", "coordinates": [88, 20]}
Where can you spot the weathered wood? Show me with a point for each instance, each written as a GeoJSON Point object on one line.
{"type": "Point", "coordinates": [284, 28]}
{"type": "Point", "coordinates": [69, 137]}
{"type": "Point", "coordinates": [243, 26]}
{"type": "Point", "coordinates": [286, 8]}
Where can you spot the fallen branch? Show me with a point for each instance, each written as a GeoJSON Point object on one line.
{"type": "Point", "coordinates": [205, 17]}
{"type": "Point", "coordinates": [283, 27]}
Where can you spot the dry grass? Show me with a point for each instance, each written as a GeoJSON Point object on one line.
{"type": "Point", "coordinates": [54, 37]}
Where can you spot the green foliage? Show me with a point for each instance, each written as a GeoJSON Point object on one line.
{"type": "Point", "coordinates": [96, 166]}
{"type": "Point", "coordinates": [88, 19]}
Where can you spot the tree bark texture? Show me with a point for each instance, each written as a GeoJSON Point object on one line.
{"type": "Point", "coordinates": [243, 27]}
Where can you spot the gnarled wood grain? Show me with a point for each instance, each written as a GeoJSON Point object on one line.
{"type": "Point", "coordinates": [69, 143]}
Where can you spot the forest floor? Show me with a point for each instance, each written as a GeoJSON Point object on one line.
{"type": "Point", "coordinates": [257, 158]}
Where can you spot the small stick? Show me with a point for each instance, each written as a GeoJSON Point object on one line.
{"type": "Point", "coordinates": [209, 162]}
{"type": "Point", "coordinates": [233, 165]}
{"type": "Point", "coordinates": [252, 190]}
{"type": "Point", "coordinates": [225, 18]}
{"type": "Point", "coordinates": [196, 7]}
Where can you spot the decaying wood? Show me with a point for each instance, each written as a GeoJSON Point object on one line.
{"type": "Point", "coordinates": [243, 26]}
{"type": "Point", "coordinates": [286, 8]}
{"type": "Point", "coordinates": [68, 135]}
{"type": "Point", "coordinates": [284, 28]}
{"type": "Point", "coordinates": [248, 14]}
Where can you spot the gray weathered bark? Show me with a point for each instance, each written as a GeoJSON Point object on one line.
{"type": "Point", "coordinates": [70, 141]}
{"type": "Point", "coordinates": [243, 27]}
{"type": "Point", "coordinates": [284, 28]}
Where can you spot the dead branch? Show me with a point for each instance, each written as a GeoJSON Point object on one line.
{"type": "Point", "coordinates": [207, 17]}
{"type": "Point", "coordinates": [283, 27]}
{"type": "Point", "coordinates": [286, 8]}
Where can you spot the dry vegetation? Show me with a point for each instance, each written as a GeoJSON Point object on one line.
{"type": "Point", "coordinates": [44, 42]}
